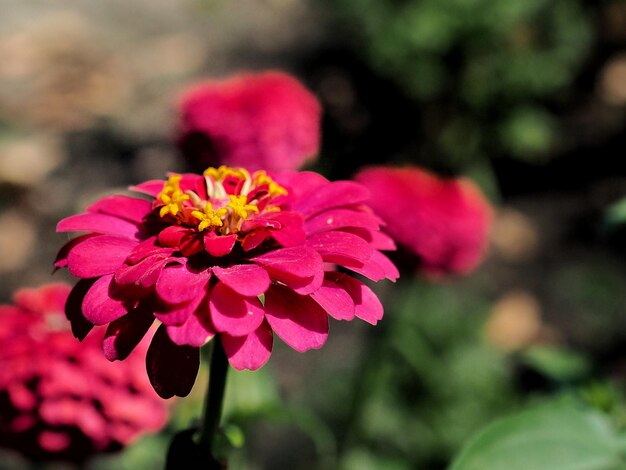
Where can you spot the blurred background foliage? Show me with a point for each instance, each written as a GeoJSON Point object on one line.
{"type": "Point", "coordinates": [527, 97]}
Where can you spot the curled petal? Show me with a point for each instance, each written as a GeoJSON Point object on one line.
{"type": "Point", "coordinates": [251, 351]}
{"type": "Point", "coordinates": [248, 280]}
{"type": "Point", "coordinates": [298, 320]}
{"type": "Point", "coordinates": [172, 369]}
{"type": "Point", "coordinates": [144, 274]}
{"type": "Point", "coordinates": [233, 314]}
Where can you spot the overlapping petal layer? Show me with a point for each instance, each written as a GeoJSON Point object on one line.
{"type": "Point", "coordinates": [229, 254]}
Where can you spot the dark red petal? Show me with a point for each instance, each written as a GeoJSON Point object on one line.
{"type": "Point", "coordinates": [123, 207]}
{"type": "Point", "coordinates": [74, 310]}
{"type": "Point", "coordinates": [251, 351]}
{"type": "Point", "coordinates": [336, 194]}
{"type": "Point", "coordinates": [97, 256]}
{"type": "Point", "coordinates": [298, 320]}
{"type": "Point", "coordinates": [98, 305]}
{"type": "Point", "coordinates": [178, 284]}
{"type": "Point", "coordinates": [123, 334]}
{"type": "Point", "coordinates": [218, 246]}
{"type": "Point", "coordinates": [233, 314]}
{"type": "Point", "coordinates": [172, 236]}
{"type": "Point", "coordinates": [248, 280]}
{"type": "Point", "coordinates": [171, 369]}
{"type": "Point", "coordinates": [147, 248]}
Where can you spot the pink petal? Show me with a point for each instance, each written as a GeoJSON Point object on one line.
{"type": "Point", "coordinates": [251, 351]}
{"type": "Point", "coordinates": [218, 246]}
{"type": "Point", "coordinates": [292, 232]}
{"type": "Point", "coordinates": [254, 239]}
{"type": "Point", "coordinates": [367, 305]}
{"type": "Point", "coordinates": [177, 314]}
{"type": "Point", "coordinates": [298, 320]}
{"type": "Point", "coordinates": [377, 240]}
{"type": "Point", "coordinates": [98, 306]}
{"type": "Point", "coordinates": [177, 284]}
{"type": "Point", "coordinates": [151, 188]}
{"type": "Point", "coordinates": [299, 182]}
{"type": "Point", "coordinates": [99, 223]}
{"type": "Point", "coordinates": [390, 270]}
{"type": "Point", "coordinates": [123, 334]}
{"type": "Point", "coordinates": [123, 207]}
{"type": "Point", "coordinates": [288, 263]}
{"type": "Point", "coordinates": [172, 236]}
{"type": "Point", "coordinates": [74, 309]}
{"type": "Point", "coordinates": [233, 314]}
{"type": "Point", "coordinates": [340, 218]}
{"type": "Point", "coordinates": [144, 274]}
{"type": "Point", "coordinates": [333, 298]}
{"type": "Point", "coordinates": [61, 259]}
{"type": "Point", "coordinates": [336, 247]}
{"type": "Point", "coordinates": [172, 369]}
{"type": "Point", "coordinates": [147, 248]}
{"type": "Point", "coordinates": [248, 280]}
{"type": "Point", "coordinates": [196, 331]}
{"type": "Point", "coordinates": [97, 256]}
{"type": "Point", "coordinates": [336, 194]}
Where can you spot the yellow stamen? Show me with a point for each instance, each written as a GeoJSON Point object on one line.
{"type": "Point", "coordinates": [209, 217]}
{"type": "Point", "coordinates": [172, 197]}
{"type": "Point", "coordinates": [239, 206]}
{"type": "Point", "coordinates": [221, 173]}
{"type": "Point", "coordinates": [260, 177]}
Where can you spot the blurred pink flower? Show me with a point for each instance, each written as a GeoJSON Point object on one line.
{"type": "Point", "coordinates": [264, 120]}
{"type": "Point", "coordinates": [231, 253]}
{"type": "Point", "coordinates": [445, 222]}
{"type": "Point", "coordinates": [59, 399]}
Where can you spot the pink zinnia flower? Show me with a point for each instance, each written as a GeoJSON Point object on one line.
{"type": "Point", "coordinates": [445, 222]}
{"type": "Point", "coordinates": [62, 400]}
{"type": "Point", "coordinates": [229, 253]}
{"type": "Point", "coordinates": [258, 121]}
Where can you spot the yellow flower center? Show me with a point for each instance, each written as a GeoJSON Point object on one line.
{"type": "Point", "coordinates": [222, 212]}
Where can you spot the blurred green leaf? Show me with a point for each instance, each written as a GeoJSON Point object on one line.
{"type": "Point", "coordinates": [554, 436]}
{"type": "Point", "coordinates": [557, 363]}
{"type": "Point", "coordinates": [615, 214]}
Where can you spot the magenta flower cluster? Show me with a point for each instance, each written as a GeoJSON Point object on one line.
{"type": "Point", "coordinates": [230, 254]}
{"type": "Point", "coordinates": [62, 400]}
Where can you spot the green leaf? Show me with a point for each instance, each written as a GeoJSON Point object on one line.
{"type": "Point", "coordinates": [555, 436]}
{"type": "Point", "coordinates": [557, 363]}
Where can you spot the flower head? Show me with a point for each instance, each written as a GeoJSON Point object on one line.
{"type": "Point", "coordinates": [264, 120]}
{"type": "Point", "coordinates": [445, 222]}
{"type": "Point", "coordinates": [243, 256]}
{"type": "Point", "coordinates": [59, 399]}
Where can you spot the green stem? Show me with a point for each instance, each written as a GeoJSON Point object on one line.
{"type": "Point", "coordinates": [214, 399]}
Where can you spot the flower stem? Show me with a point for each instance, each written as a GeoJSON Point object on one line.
{"type": "Point", "coordinates": [214, 400]}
